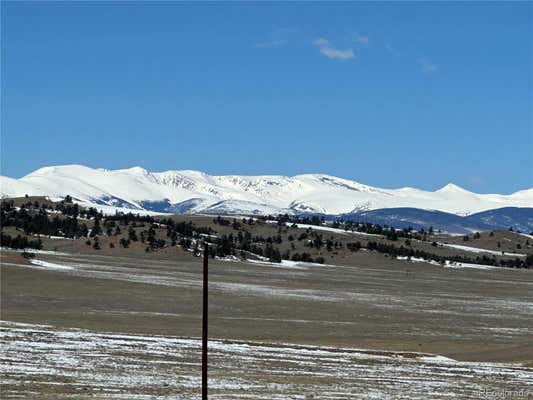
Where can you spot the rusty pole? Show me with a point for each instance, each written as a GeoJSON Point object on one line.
{"type": "Point", "coordinates": [204, 326]}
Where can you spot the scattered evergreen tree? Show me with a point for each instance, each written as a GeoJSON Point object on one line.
{"type": "Point", "coordinates": [132, 235]}
{"type": "Point", "coordinates": [97, 229]}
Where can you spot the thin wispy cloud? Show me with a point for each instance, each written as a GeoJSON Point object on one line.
{"type": "Point", "coordinates": [271, 44]}
{"type": "Point", "coordinates": [361, 39]}
{"type": "Point", "coordinates": [280, 37]}
{"type": "Point", "coordinates": [277, 37]}
{"type": "Point", "coordinates": [426, 65]}
{"type": "Point", "coordinates": [392, 50]}
{"type": "Point", "coordinates": [328, 50]}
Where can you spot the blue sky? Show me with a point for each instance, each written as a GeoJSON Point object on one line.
{"type": "Point", "coordinates": [387, 94]}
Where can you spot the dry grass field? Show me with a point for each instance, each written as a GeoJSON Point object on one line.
{"type": "Point", "coordinates": [113, 321]}
{"type": "Point", "coordinates": [126, 326]}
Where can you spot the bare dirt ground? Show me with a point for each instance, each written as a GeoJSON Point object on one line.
{"type": "Point", "coordinates": [396, 310]}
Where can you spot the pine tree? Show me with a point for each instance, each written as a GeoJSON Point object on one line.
{"type": "Point", "coordinates": [132, 235]}
{"type": "Point", "coordinates": [97, 230]}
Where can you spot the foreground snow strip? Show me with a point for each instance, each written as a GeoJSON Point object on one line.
{"type": "Point", "coordinates": [40, 360]}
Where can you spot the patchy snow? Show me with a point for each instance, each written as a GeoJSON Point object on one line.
{"type": "Point", "coordinates": [416, 259]}
{"type": "Point", "coordinates": [287, 264]}
{"type": "Point", "coordinates": [206, 235]}
{"type": "Point", "coordinates": [49, 265]}
{"type": "Point", "coordinates": [56, 237]}
{"type": "Point", "coordinates": [334, 230]}
{"type": "Point", "coordinates": [478, 250]}
{"type": "Point", "coordinates": [437, 359]}
{"type": "Point", "coordinates": [451, 264]}
{"type": "Point", "coordinates": [448, 264]}
{"type": "Point", "coordinates": [52, 237]}
{"type": "Point", "coordinates": [320, 228]}
{"type": "Point", "coordinates": [325, 228]}
{"type": "Point", "coordinates": [229, 258]}
{"type": "Point", "coordinates": [41, 360]}
{"type": "Point", "coordinates": [264, 261]}
{"type": "Point", "coordinates": [112, 210]}
{"type": "Point", "coordinates": [35, 251]}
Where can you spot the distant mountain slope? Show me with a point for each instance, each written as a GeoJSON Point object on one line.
{"type": "Point", "coordinates": [196, 192]}
{"type": "Point", "coordinates": [520, 219]}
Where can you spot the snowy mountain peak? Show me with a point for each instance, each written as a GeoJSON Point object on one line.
{"type": "Point", "coordinates": [195, 191]}
{"type": "Point", "coordinates": [61, 169]}
{"type": "Point", "coordinates": [450, 187]}
{"type": "Point", "coordinates": [134, 170]}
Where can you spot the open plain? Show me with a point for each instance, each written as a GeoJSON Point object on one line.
{"type": "Point", "coordinates": [372, 327]}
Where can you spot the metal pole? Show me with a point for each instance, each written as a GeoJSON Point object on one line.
{"type": "Point", "coordinates": [204, 327]}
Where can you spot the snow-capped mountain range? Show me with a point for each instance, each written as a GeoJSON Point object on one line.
{"type": "Point", "coordinates": [196, 192]}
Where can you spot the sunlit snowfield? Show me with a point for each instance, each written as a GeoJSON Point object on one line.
{"type": "Point", "coordinates": [78, 363]}
{"type": "Point", "coordinates": [294, 328]}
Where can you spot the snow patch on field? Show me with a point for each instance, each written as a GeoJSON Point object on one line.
{"type": "Point", "coordinates": [289, 264]}
{"type": "Point", "coordinates": [448, 264]}
{"type": "Point", "coordinates": [35, 251]}
{"type": "Point", "coordinates": [335, 230]}
{"type": "Point", "coordinates": [40, 360]}
{"type": "Point", "coordinates": [264, 261]}
{"type": "Point", "coordinates": [326, 229]}
{"type": "Point", "coordinates": [417, 259]}
{"type": "Point", "coordinates": [49, 265]}
{"type": "Point", "coordinates": [451, 264]}
{"type": "Point", "coordinates": [478, 250]}
{"type": "Point", "coordinates": [437, 359]}
{"type": "Point", "coordinates": [55, 237]}
{"type": "Point", "coordinates": [322, 228]}
{"type": "Point", "coordinates": [282, 264]}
